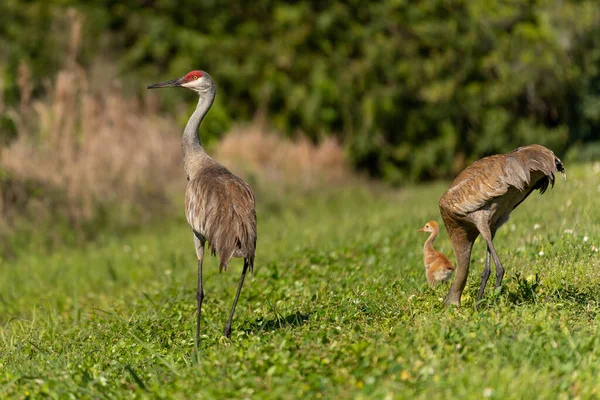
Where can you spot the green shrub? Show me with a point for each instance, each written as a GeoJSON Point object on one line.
{"type": "Point", "coordinates": [415, 89]}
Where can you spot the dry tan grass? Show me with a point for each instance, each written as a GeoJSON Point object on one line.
{"type": "Point", "coordinates": [89, 146]}
{"type": "Point", "coordinates": [269, 158]}
{"type": "Point", "coordinates": [94, 146]}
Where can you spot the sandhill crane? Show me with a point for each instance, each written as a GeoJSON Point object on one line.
{"type": "Point", "coordinates": [481, 199]}
{"type": "Point", "coordinates": [438, 268]}
{"type": "Point", "coordinates": [219, 206]}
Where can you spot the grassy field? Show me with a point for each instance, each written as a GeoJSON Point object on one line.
{"type": "Point", "coordinates": [338, 307]}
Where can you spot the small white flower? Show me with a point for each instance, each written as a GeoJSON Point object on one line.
{"type": "Point", "coordinates": [487, 392]}
{"type": "Point", "coordinates": [536, 226]}
{"type": "Point", "coordinates": [569, 231]}
{"type": "Point", "coordinates": [541, 253]}
{"type": "Point", "coordinates": [585, 238]}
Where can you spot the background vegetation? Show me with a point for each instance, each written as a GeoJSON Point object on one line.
{"type": "Point", "coordinates": [413, 90]}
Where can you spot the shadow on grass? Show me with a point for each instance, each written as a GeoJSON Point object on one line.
{"type": "Point", "coordinates": [526, 290]}
{"type": "Point", "coordinates": [292, 320]}
{"type": "Point", "coordinates": [530, 290]}
{"type": "Point", "coordinates": [582, 295]}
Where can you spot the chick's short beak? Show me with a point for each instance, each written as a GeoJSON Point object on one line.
{"type": "Point", "coordinates": [421, 230]}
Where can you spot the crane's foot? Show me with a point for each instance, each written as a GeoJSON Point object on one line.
{"type": "Point", "coordinates": [479, 304]}
{"type": "Point", "coordinates": [452, 301]}
{"type": "Point", "coordinates": [227, 331]}
{"type": "Point", "coordinates": [453, 297]}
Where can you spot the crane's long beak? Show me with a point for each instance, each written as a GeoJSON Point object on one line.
{"type": "Point", "coordinates": [421, 230]}
{"type": "Point", "coordinates": [171, 83]}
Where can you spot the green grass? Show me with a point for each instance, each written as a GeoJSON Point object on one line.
{"type": "Point", "coordinates": [338, 307]}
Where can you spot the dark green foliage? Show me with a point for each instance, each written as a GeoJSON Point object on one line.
{"type": "Point", "coordinates": [415, 89]}
{"type": "Point", "coordinates": [526, 290]}
{"type": "Point", "coordinates": [8, 129]}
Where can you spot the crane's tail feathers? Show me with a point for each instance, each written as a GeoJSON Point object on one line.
{"type": "Point", "coordinates": [543, 183]}
{"type": "Point", "coordinates": [249, 263]}
{"type": "Point", "coordinates": [223, 266]}
{"type": "Point", "coordinates": [550, 177]}
{"type": "Point", "coordinates": [224, 260]}
{"type": "Point", "coordinates": [560, 167]}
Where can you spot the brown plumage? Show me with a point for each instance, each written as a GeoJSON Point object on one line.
{"type": "Point", "coordinates": [438, 268]}
{"type": "Point", "coordinates": [481, 199]}
{"type": "Point", "coordinates": [219, 206]}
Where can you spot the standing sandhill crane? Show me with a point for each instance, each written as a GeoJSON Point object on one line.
{"type": "Point", "coordinates": [219, 206]}
{"type": "Point", "coordinates": [481, 199]}
{"type": "Point", "coordinates": [438, 268]}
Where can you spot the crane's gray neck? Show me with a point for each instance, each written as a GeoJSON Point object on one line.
{"type": "Point", "coordinates": [191, 139]}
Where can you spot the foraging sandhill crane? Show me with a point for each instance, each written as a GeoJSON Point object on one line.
{"type": "Point", "coordinates": [481, 199]}
{"type": "Point", "coordinates": [438, 268]}
{"type": "Point", "coordinates": [219, 206]}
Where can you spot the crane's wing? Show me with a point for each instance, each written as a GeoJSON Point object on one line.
{"type": "Point", "coordinates": [221, 207]}
{"type": "Point", "coordinates": [475, 185]}
{"type": "Point", "coordinates": [524, 169]}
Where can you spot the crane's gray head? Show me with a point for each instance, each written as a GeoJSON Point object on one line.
{"type": "Point", "coordinates": [198, 81]}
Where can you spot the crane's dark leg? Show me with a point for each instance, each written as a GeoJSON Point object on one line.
{"type": "Point", "coordinates": [486, 270]}
{"type": "Point", "coordinates": [485, 232]}
{"type": "Point", "coordinates": [200, 292]}
{"type": "Point", "coordinates": [499, 267]}
{"type": "Point", "coordinates": [485, 274]}
{"type": "Point", "coordinates": [227, 330]}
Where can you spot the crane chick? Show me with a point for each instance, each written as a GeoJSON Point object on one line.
{"type": "Point", "coordinates": [438, 268]}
